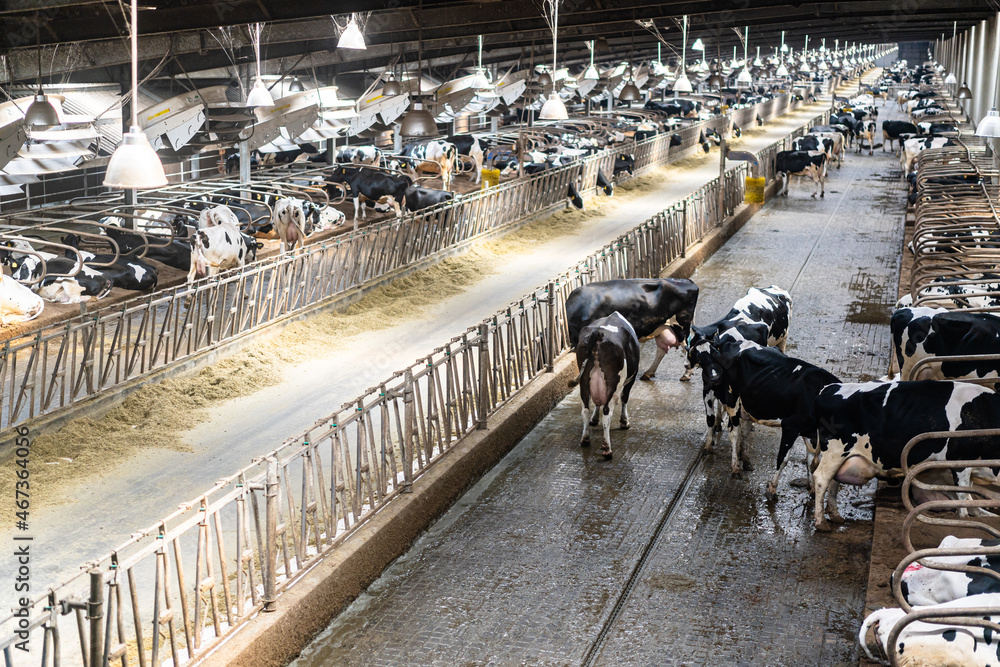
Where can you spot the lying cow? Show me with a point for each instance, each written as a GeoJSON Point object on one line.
{"type": "Point", "coordinates": [608, 356]}
{"type": "Point", "coordinates": [925, 644]}
{"type": "Point", "coordinates": [951, 293]}
{"type": "Point", "coordinates": [124, 270]}
{"type": "Point", "coordinates": [864, 427]}
{"type": "Point", "coordinates": [801, 163]}
{"type": "Point", "coordinates": [766, 312]}
{"type": "Point", "coordinates": [659, 309]}
{"type": "Point", "coordinates": [18, 304]}
{"type": "Point", "coordinates": [924, 584]}
{"type": "Point", "coordinates": [921, 332]}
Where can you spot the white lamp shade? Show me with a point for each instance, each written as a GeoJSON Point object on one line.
{"type": "Point", "coordinates": [784, 48]}
{"type": "Point", "coordinates": [757, 62]}
{"type": "Point", "coordinates": [698, 45]}
{"type": "Point", "coordinates": [591, 74]}
{"type": "Point", "coordinates": [950, 78]}
{"type": "Point", "coordinates": [682, 84]}
{"type": "Point", "coordinates": [990, 125]}
{"type": "Point", "coordinates": [553, 109]}
{"type": "Point", "coordinates": [782, 70]}
{"type": "Point", "coordinates": [744, 77]}
{"type": "Point", "coordinates": [259, 95]}
{"type": "Point", "coordinates": [41, 113]}
{"type": "Point", "coordinates": [134, 163]}
{"type": "Point", "coordinates": [352, 38]}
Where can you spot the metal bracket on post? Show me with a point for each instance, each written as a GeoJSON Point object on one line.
{"type": "Point", "coordinates": [551, 333]}
{"type": "Point", "coordinates": [270, 554]}
{"type": "Point", "coordinates": [484, 375]}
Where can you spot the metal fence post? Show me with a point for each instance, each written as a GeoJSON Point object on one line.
{"type": "Point", "coordinates": [270, 533]}
{"type": "Point", "coordinates": [484, 374]}
{"type": "Point", "coordinates": [408, 418]}
{"type": "Point", "coordinates": [684, 229]}
{"type": "Point", "coordinates": [95, 613]}
{"type": "Point", "coordinates": [722, 180]}
{"type": "Point", "coordinates": [551, 330]}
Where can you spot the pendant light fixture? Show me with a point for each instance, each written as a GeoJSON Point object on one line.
{"type": "Point", "coordinates": [964, 93]}
{"type": "Point", "coordinates": [480, 81]}
{"type": "Point", "coordinates": [296, 86]}
{"type": "Point", "coordinates": [259, 95]}
{"type": "Point", "coordinates": [418, 121]}
{"type": "Point", "coordinates": [392, 87]}
{"type": "Point", "coordinates": [784, 47]}
{"type": "Point", "coordinates": [352, 38]}
{"type": "Point", "coordinates": [683, 84]}
{"type": "Point", "coordinates": [950, 79]}
{"type": "Point", "coordinates": [40, 112]}
{"type": "Point", "coordinates": [805, 52]}
{"type": "Point", "coordinates": [744, 78]}
{"type": "Point", "coordinates": [591, 74]}
{"type": "Point", "coordinates": [553, 109]}
{"type": "Point", "coordinates": [630, 92]}
{"type": "Point", "coordinates": [757, 62]}
{"type": "Point", "coordinates": [134, 164]}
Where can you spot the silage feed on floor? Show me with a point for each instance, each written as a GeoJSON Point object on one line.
{"type": "Point", "coordinates": [158, 414]}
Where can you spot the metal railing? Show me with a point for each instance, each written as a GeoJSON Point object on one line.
{"type": "Point", "coordinates": [178, 587]}
{"type": "Point", "coordinates": [56, 367]}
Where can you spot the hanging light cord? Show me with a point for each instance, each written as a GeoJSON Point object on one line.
{"type": "Point", "coordinates": [257, 29]}
{"type": "Point", "coordinates": [135, 63]}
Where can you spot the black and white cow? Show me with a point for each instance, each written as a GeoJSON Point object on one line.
{"type": "Point", "coordinates": [913, 147]}
{"type": "Point", "coordinates": [867, 135]}
{"type": "Point", "coordinates": [18, 304]}
{"type": "Point", "coordinates": [950, 293]}
{"type": "Point", "coordinates": [367, 155]}
{"type": "Point", "coordinates": [864, 427]}
{"type": "Point", "coordinates": [762, 315]}
{"type": "Point", "coordinates": [623, 164]}
{"type": "Point", "coordinates": [125, 270]}
{"type": "Point", "coordinates": [926, 585]}
{"type": "Point", "coordinates": [441, 153]}
{"type": "Point", "coordinates": [471, 147]}
{"type": "Point", "coordinates": [607, 354]}
{"type": "Point", "coordinates": [801, 163]}
{"type": "Point", "coordinates": [770, 388]}
{"type": "Point", "coordinates": [660, 309]}
{"type": "Point", "coordinates": [61, 282]}
{"type": "Point", "coordinates": [220, 248]}
{"type": "Point", "coordinates": [928, 127]}
{"type": "Point", "coordinates": [289, 220]}
{"type": "Point", "coordinates": [418, 198]}
{"type": "Point", "coordinates": [371, 185]}
{"type": "Point", "coordinates": [926, 644]}
{"type": "Point", "coordinates": [892, 129]}
{"type": "Point", "coordinates": [919, 333]}
{"type": "Point", "coordinates": [604, 184]}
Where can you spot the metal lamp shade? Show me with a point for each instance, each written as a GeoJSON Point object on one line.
{"type": "Point", "coordinates": [418, 122]}
{"type": "Point", "coordinates": [716, 80]}
{"type": "Point", "coordinates": [630, 93]}
{"type": "Point", "coordinates": [553, 109]}
{"type": "Point", "coordinates": [682, 84]}
{"type": "Point", "coordinates": [544, 79]}
{"type": "Point", "coordinates": [352, 38]}
{"type": "Point", "coordinates": [259, 95]}
{"type": "Point", "coordinates": [392, 87]}
{"type": "Point", "coordinates": [950, 79]}
{"type": "Point", "coordinates": [41, 113]}
{"type": "Point", "coordinates": [134, 164]}
{"type": "Point", "coordinates": [990, 125]}
{"type": "Point", "coordinates": [601, 45]}
{"type": "Point", "coordinates": [296, 86]}
{"type": "Point", "coordinates": [964, 93]}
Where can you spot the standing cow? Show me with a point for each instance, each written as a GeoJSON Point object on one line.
{"type": "Point", "coordinates": [441, 153]}
{"type": "Point", "coordinates": [608, 356]}
{"type": "Point", "coordinates": [660, 309]}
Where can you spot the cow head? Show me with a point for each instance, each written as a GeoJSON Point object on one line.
{"type": "Point", "coordinates": [759, 120]}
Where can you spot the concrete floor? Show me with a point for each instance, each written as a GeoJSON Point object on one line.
{"type": "Point", "coordinates": [99, 513]}
{"type": "Point", "coordinates": [561, 558]}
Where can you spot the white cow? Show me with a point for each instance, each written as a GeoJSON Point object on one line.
{"type": "Point", "coordinates": [289, 220]}
{"type": "Point", "coordinates": [17, 303]}
{"type": "Point", "coordinates": [220, 248]}
{"type": "Point", "coordinates": [217, 215]}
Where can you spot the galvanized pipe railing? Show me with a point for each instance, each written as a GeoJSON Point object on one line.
{"type": "Point", "coordinates": [56, 367]}
{"type": "Point", "coordinates": [190, 579]}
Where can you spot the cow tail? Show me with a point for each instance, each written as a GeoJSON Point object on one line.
{"type": "Point", "coordinates": [873, 619]}
{"type": "Point", "coordinates": [201, 267]}
{"type": "Point", "coordinates": [575, 381]}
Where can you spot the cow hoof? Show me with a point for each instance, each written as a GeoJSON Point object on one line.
{"type": "Point", "coordinates": [685, 378]}
{"type": "Point", "coordinates": [737, 474]}
{"type": "Point", "coordinates": [821, 194]}
{"type": "Point", "coordinates": [709, 448]}
{"type": "Point", "coordinates": [624, 425]}
{"type": "Point", "coordinates": [836, 518]}
{"type": "Point", "coordinates": [770, 494]}
{"type": "Point", "coordinates": [645, 377]}
{"type": "Point", "coordinates": [823, 527]}
{"type": "Point", "coordinates": [585, 442]}
{"type": "Point", "coordinates": [607, 456]}
{"type": "Point", "coordinates": [747, 466]}
{"type": "Point", "coordinates": [593, 422]}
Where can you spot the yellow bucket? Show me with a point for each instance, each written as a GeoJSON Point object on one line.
{"type": "Point", "coordinates": [491, 178]}
{"type": "Point", "coordinates": [753, 192]}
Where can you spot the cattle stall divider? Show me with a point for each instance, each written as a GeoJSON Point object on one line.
{"type": "Point", "coordinates": [52, 369]}
{"type": "Point", "coordinates": [205, 569]}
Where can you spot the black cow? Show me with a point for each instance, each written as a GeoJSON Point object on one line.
{"type": "Point", "coordinates": [921, 332]}
{"type": "Point", "coordinates": [608, 356]}
{"type": "Point", "coordinates": [676, 140]}
{"type": "Point", "coordinates": [372, 185]}
{"type": "Point", "coordinates": [864, 428]}
{"type": "Point", "coordinates": [770, 387]}
{"type": "Point", "coordinates": [532, 168]}
{"type": "Point", "coordinates": [623, 163]}
{"type": "Point", "coordinates": [642, 135]}
{"type": "Point", "coordinates": [53, 285]}
{"type": "Point", "coordinates": [891, 129]}
{"type": "Point", "coordinates": [418, 198]}
{"type": "Point", "coordinates": [124, 270]}
{"type": "Point", "coordinates": [762, 315]}
{"type": "Point", "coordinates": [674, 107]}
{"type": "Point", "coordinates": [604, 184]}
{"type": "Point", "coordinates": [801, 163]}
{"type": "Point", "coordinates": [649, 305]}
